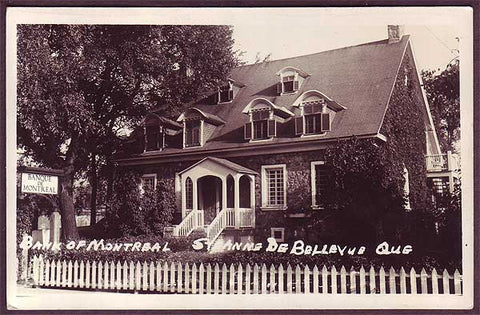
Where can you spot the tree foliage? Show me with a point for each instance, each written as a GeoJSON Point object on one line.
{"type": "Point", "coordinates": [443, 94]}
{"type": "Point", "coordinates": [80, 86]}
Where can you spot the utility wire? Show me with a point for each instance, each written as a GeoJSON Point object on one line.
{"type": "Point", "coordinates": [442, 42]}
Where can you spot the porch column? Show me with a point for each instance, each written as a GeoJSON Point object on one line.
{"type": "Point", "coordinates": [195, 193]}
{"type": "Point", "coordinates": [236, 198]}
{"type": "Point", "coordinates": [252, 197]}
{"type": "Point", "coordinates": [224, 193]}
{"type": "Point", "coordinates": [183, 196]}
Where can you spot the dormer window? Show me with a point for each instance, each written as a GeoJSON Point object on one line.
{"type": "Point", "coordinates": [316, 113]}
{"type": "Point", "coordinates": [225, 93]}
{"type": "Point", "coordinates": [158, 131]}
{"type": "Point", "coordinates": [290, 80]}
{"type": "Point", "coordinates": [198, 126]}
{"type": "Point", "coordinates": [264, 117]}
{"type": "Point", "coordinates": [192, 133]}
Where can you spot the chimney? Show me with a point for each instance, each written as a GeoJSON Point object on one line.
{"type": "Point", "coordinates": [395, 33]}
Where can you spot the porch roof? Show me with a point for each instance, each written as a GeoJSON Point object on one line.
{"type": "Point", "coordinates": [226, 163]}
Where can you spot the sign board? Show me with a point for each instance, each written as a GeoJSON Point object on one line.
{"type": "Point", "coordinates": [39, 184]}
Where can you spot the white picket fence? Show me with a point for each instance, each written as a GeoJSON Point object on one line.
{"type": "Point", "coordinates": [236, 279]}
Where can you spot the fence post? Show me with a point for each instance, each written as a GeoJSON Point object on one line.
{"type": "Point", "coordinates": [255, 279]}
{"type": "Point", "coordinates": [187, 278]}
{"type": "Point", "coordinates": [289, 279]}
{"type": "Point", "coordinates": [106, 276]}
{"type": "Point", "coordinates": [201, 282]}
{"type": "Point", "coordinates": [353, 281]}
{"type": "Point", "coordinates": [457, 282]}
{"type": "Point", "coordinates": [391, 280]}
{"type": "Point", "coordinates": [137, 276]}
{"type": "Point", "coordinates": [315, 279]}
{"type": "Point", "coordinates": [372, 285]}
{"type": "Point", "coordinates": [343, 280]}
{"type": "Point", "coordinates": [240, 279]}
{"type": "Point", "coordinates": [224, 279]}
{"type": "Point", "coordinates": [413, 281]}
{"type": "Point", "coordinates": [47, 273]}
{"type": "Point", "coordinates": [165, 277]}
{"type": "Point", "coordinates": [118, 280]}
{"type": "Point", "coordinates": [423, 281]}
{"type": "Point", "coordinates": [232, 279]}
{"type": "Point", "coordinates": [264, 279]}
{"type": "Point", "coordinates": [272, 279]}
{"type": "Point", "coordinates": [179, 278]}
{"type": "Point", "coordinates": [151, 278]}
{"type": "Point", "coordinates": [306, 279]}
{"type": "Point", "coordinates": [159, 276]}
{"type": "Point", "coordinates": [209, 279]}
{"type": "Point", "coordinates": [125, 275]}
{"type": "Point", "coordinates": [172, 277]}
{"type": "Point", "coordinates": [383, 289]}
{"type": "Point", "coordinates": [324, 280]}
{"type": "Point", "coordinates": [41, 280]}
{"type": "Point", "coordinates": [194, 278]}
{"type": "Point", "coordinates": [131, 276]}
{"type": "Point", "coordinates": [334, 280]}
{"type": "Point", "coordinates": [94, 274]}
{"type": "Point", "coordinates": [35, 270]}
{"type": "Point", "coordinates": [434, 281]}
{"type": "Point", "coordinates": [363, 285]}
{"type": "Point", "coordinates": [248, 272]}
{"type": "Point", "coordinates": [64, 273]}
{"type": "Point", "coordinates": [446, 282]}
{"type": "Point", "coordinates": [403, 281]}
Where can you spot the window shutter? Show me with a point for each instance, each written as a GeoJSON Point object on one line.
{"type": "Point", "coordinates": [298, 125]}
{"type": "Point", "coordinates": [279, 88]}
{"type": "Point", "coordinates": [248, 131]}
{"type": "Point", "coordinates": [326, 122]}
{"type": "Point", "coordinates": [230, 95]}
{"type": "Point", "coordinates": [272, 128]}
{"type": "Point", "coordinates": [295, 85]}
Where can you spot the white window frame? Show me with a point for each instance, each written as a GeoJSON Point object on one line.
{"type": "Point", "coordinates": [219, 91]}
{"type": "Point", "coordinates": [295, 78]}
{"type": "Point", "coordinates": [277, 229]}
{"type": "Point", "coordinates": [265, 186]}
{"type": "Point", "coordinates": [185, 135]}
{"type": "Point", "coordinates": [154, 175]}
{"type": "Point", "coordinates": [313, 176]}
{"type": "Point", "coordinates": [406, 190]}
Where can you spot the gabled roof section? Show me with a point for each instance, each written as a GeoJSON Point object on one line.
{"type": "Point", "coordinates": [330, 103]}
{"type": "Point", "coordinates": [226, 163]}
{"type": "Point", "coordinates": [289, 68]}
{"type": "Point", "coordinates": [162, 120]}
{"type": "Point", "coordinates": [280, 111]}
{"type": "Point", "coordinates": [211, 118]}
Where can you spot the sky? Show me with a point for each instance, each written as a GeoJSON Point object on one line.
{"type": "Point", "coordinates": [434, 45]}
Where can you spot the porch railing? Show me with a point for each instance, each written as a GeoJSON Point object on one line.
{"type": "Point", "coordinates": [246, 217]}
{"type": "Point", "coordinates": [217, 226]}
{"type": "Point", "coordinates": [191, 222]}
{"type": "Point", "coordinates": [442, 162]}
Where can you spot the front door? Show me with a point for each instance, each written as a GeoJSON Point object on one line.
{"type": "Point", "coordinates": [210, 200]}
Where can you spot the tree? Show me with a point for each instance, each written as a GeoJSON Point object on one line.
{"type": "Point", "coordinates": [79, 86]}
{"type": "Point", "coordinates": [443, 94]}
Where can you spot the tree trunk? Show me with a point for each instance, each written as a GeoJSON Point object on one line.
{"type": "Point", "coordinates": [94, 184]}
{"type": "Point", "coordinates": [69, 225]}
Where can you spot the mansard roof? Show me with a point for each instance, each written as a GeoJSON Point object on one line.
{"type": "Point", "coordinates": [358, 79]}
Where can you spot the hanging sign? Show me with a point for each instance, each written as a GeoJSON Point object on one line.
{"type": "Point", "coordinates": [39, 184]}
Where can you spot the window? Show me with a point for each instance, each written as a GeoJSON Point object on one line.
{"type": "Point", "coordinates": [225, 93]}
{"type": "Point", "coordinates": [320, 177]}
{"type": "Point", "coordinates": [315, 119]}
{"type": "Point", "coordinates": [288, 83]}
{"type": "Point", "coordinates": [406, 189]}
{"type": "Point", "coordinates": [192, 133]}
{"type": "Point", "coordinates": [189, 193]}
{"type": "Point", "coordinates": [154, 138]}
{"type": "Point", "coordinates": [278, 233]}
{"type": "Point", "coordinates": [260, 127]}
{"type": "Point", "coordinates": [148, 182]}
{"type": "Point", "coordinates": [274, 186]}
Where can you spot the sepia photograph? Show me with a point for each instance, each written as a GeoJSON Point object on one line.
{"type": "Point", "coordinates": [240, 158]}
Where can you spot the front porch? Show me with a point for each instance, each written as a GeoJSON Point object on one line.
{"type": "Point", "coordinates": [216, 195]}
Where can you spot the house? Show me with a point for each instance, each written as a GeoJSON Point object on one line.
{"type": "Point", "coordinates": [237, 157]}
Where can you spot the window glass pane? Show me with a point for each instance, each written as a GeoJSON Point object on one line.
{"type": "Point", "coordinates": [260, 129]}
{"type": "Point", "coordinates": [288, 86]}
{"type": "Point", "coordinates": [321, 182]}
{"type": "Point", "coordinates": [225, 95]}
{"type": "Point", "coordinates": [260, 115]}
{"type": "Point", "coordinates": [275, 187]}
{"type": "Point", "coordinates": [148, 183]}
{"type": "Point", "coordinates": [313, 124]}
